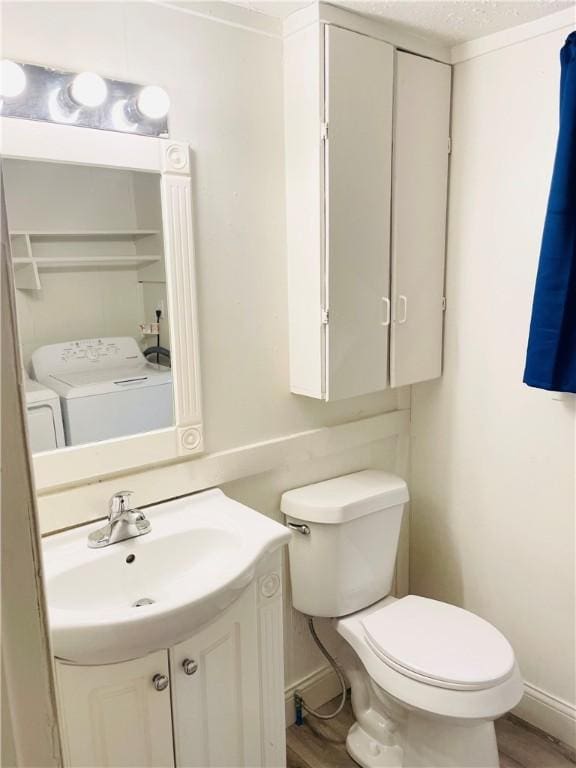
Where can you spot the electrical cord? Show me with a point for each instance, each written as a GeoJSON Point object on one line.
{"type": "Point", "coordinates": [158, 316]}
{"type": "Point", "coordinates": [298, 698]}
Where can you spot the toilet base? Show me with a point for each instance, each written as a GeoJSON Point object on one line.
{"type": "Point", "coordinates": [389, 734]}
{"type": "Point", "coordinates": [370, 753]}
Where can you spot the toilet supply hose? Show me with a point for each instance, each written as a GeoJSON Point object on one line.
{"type": "Point", "coordinates": [299, 701]}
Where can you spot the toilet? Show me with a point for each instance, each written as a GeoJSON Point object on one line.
{"type": "Point", "coordinates": [428, 679]}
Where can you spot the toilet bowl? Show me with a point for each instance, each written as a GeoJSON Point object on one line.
{"type": "Point", "coordinates": [428, 679]}
{"type": "Point", "coordinates": [433, 689]}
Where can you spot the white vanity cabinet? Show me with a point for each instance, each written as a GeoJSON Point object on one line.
{"type": "Point", "coordinates": [214, 700]}
{"type": "Point", "coordinates": [367, 132]}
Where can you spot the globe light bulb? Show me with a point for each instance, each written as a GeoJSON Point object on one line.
{"type": "Point", "coordinates": [12, 79]}
{"type": "Point", "coordinates": [153, 102]}
{"type": "Point", "coordinates": [88, 89]}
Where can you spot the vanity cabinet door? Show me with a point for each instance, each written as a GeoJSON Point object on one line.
{"type": "Point", "coordinates": [113, 716]}
{"type": "Point", "coordinates": [216, 692]}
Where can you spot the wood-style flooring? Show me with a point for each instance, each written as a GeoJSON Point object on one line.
{"type": "Point", "coordinates": [322, 744]}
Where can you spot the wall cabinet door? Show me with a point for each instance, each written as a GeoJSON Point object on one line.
{"type": "Point", "coordinates": [305, 236]}
{"type": "Point", "coordinates": [420, 180]}
{"type": "Point", "coordinates": [358, 94]}
{"type": "Point", "coordinates": [216, 692]}
{"type": "Point", "coordinates": [112, 716]}
{"type": "Point", "coordinates": [339, 93]}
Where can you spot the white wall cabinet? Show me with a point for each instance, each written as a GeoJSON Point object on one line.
{"type": "Point", "coordinates": [366, 165]}
{"type": "Point", "coordinates": [215, 700]}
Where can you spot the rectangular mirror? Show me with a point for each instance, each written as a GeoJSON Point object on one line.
{"type": "Point", "coordinates": [102, 247]}
{"type": "Point", "coordinates": [91, 301]}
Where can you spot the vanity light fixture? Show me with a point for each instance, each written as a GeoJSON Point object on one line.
{"type": "Point", "coordinates": [84, 99]}
{"type": "Point", "coordinates": [88, 90]}
{"type": "Point", "coordinates": [12, 79]}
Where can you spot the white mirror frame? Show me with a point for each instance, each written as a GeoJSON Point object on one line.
{"type": "Point", "coordinates": [49, 142]}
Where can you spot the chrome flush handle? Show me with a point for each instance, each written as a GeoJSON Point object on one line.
{"type": "Point", "coordinates": [299, 528]}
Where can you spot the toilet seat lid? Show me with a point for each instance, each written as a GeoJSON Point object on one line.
{"type": "Point", "coordinates": [439, 644]}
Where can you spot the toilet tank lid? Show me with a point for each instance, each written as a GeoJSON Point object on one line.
{"type": "Point", "coordinates": [345, 498]}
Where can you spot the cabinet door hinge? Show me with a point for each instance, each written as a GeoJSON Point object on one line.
{"type": "Point", "coordinates": [323, 131]}
{"type": "Point", "coordinates": [449, 145]}
{"type": "Point", "coordinates": [443, 303]}
{"type": "Point", "coordinates": [324, 316]}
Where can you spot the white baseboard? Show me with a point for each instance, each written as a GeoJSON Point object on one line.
{"type": "Point", "coordinates": [317, 688]}
{"type": "Point", "coordinates": [553, 715]}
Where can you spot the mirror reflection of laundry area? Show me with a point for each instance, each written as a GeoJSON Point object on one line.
{"type": "Point", "coordinates": [91, 301]}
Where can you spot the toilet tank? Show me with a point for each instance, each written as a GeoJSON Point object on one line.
{"type": "Point", "coordinates": [346, 562]}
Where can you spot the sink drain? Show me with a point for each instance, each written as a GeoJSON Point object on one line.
{"type": "Point", "coordinates": [143, 601]}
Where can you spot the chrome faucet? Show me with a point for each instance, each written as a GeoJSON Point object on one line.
{"type": "Point", "coordinates": [123, 522]}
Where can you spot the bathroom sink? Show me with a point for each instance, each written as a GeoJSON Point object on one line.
{"type": "Point", "coordinates": [143, 594]}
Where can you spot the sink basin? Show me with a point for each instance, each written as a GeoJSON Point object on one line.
{"type": "Point", "coordinates": [140, 595]}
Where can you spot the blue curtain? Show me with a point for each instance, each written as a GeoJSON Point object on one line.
{"type": "Point", "coordinates": [551, 357]}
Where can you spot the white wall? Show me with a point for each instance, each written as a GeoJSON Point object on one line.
{"type": "Point", "coordinates": [492, 460]}
{"type": "Point", "coordinates": [225, 84]}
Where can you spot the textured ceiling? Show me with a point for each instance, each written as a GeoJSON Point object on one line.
{"type": "Point", "coordinates": [449, 21]}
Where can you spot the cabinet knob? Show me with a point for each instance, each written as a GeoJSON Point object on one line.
{"type": "Point", "coordinates": [160, 682]}
{"type": "Point", "coordinates": [189, 666]}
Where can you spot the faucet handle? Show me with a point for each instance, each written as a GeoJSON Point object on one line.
{"type": "Point", "coordinates": [120, 503]}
